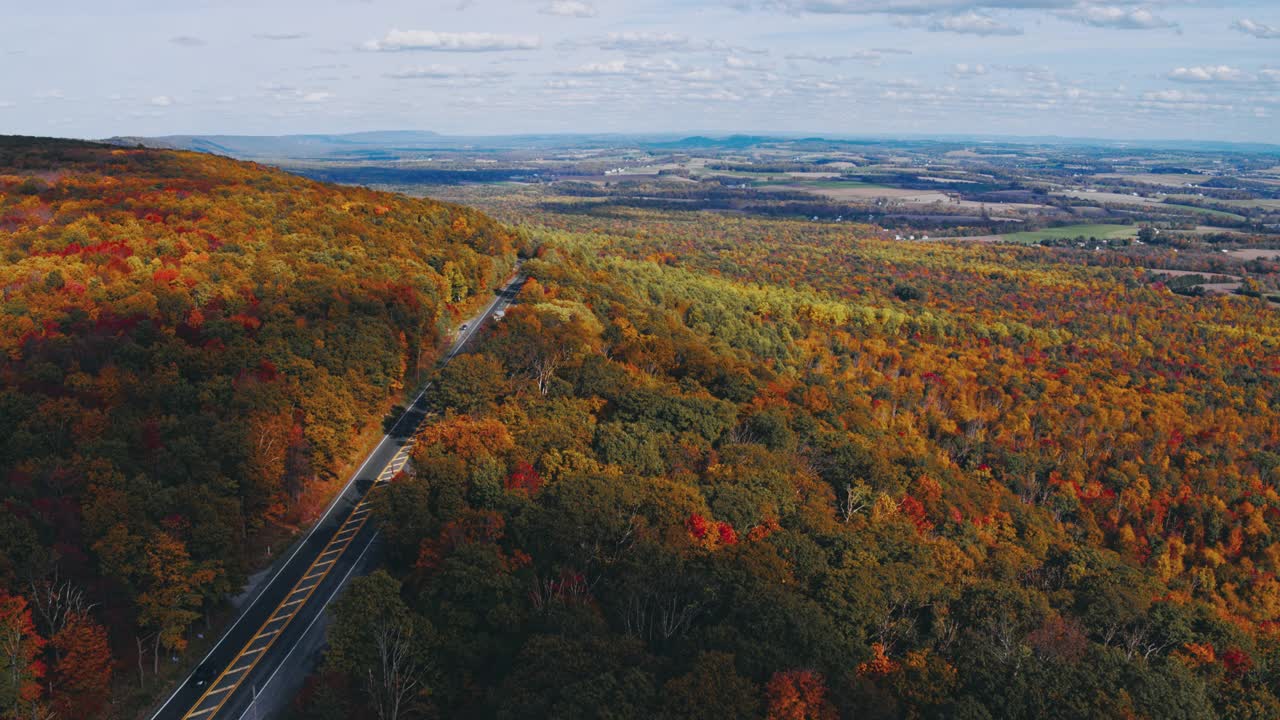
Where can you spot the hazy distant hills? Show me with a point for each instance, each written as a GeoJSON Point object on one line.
{"type": "Point", "coordinates": [387, 145]}
{"type": "Point", "coordinates": [291, 146]}
{"type": "Point", "coordinates": [382, 145]}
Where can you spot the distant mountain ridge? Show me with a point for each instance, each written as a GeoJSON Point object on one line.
{"type": "Point", "coordinates": [387, 144]}
{"type": "Point", "coordinates": [264, 146]}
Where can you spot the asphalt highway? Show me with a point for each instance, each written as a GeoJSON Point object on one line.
{"type": "Point", "coordinates": [257, 663]}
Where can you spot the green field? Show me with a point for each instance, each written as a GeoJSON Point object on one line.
{"type": "Point", "coordinates": [1206, 211]}
{"type": "Point", "coordinates": [1101, 232]}
{"type": "Point", "coordinates": [835, 184]}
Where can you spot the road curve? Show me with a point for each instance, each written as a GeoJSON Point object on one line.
{"type": "Point", "coordinates": [262, 641]}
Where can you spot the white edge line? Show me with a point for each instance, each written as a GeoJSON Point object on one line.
{"type": "Point", "coordinates": [334, 503]}
{"type": "Point", "coordinates": [266, 586]}
{"type": "Point", "coordinates": [319, 614]}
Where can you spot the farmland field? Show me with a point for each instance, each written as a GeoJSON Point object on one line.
{"type": "Point", "coordinates": [1256, 254]}
{"type": "Point", "coordinates": [1101, 232]}
{"type": "Point", "coordinates": [847, 191]}
{"type": "Point", "coordinates": [1207, 211]}
{"type": "Point", "coordinates": [1170, 179]}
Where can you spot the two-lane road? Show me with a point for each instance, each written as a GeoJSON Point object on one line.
{"type": "Point", "coordinates": [262, 641]}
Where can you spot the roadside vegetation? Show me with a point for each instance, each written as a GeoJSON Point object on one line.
{"type": "Point", "coordinates": [748, 468]}
{"type": "Point", "coordinates": [189, 348]}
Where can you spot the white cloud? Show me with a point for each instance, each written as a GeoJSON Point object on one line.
{"type": "Point", "coordinates": [289, 93]}
{"type": "Point", "coordinates": [397, 40]}
{"type": "Point", "coordinates": [905, 7]}
{"type": "Point", "coordinates": [651, 42]}
{"type": "Point", "coordinates": [856, 55]}
{"type": "Point", "coordinates": [969, 70]}
{"type": "Point", "coordinates": [1119, 18]}
{"type": "Point", "coordinates": [737, 62]}
{"type": "Point", "coordinates": [281, 36]}
{"type": "Point", "coordinates": [1210, 74]}
{"type": "Point", "coordinates": [627, 67]}
{"type": "Point", "coordinates": [971, 23]}
{"type": "Point", "coordinates": [1174, 96]}
{"type": "Point", "coordinates": [1257, 29]}
{"type": "Point", "coordinates": [569, 8]}
{"type": "Point", "coordinates": [441, 72]}
{"type": "Point", "coordinates": [612, 67]}
{"type": "Point", "coordinates": [162, 101]}
{"type": "Point", "coordinates": [427, 72]}
{"type": "Point", "coordinates": [717, 94]}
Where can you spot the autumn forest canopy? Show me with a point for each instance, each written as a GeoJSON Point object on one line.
{"type": "Point", "coordinates": [189, 349]}
{"type": "Point", "coordinates": [708, 465]}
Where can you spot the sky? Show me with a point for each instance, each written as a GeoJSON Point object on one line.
{"type": "Point", "coordinates": [1176, 69]}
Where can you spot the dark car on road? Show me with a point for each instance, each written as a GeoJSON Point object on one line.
{"type": "Point", "coordinates": [204, 675]}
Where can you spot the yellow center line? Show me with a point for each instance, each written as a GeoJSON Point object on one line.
{"type": "Point", "coordinates": [356, 518]}
{"type": "Point", "coordinates": [225, 689]}
{"type": "Point", "coordinates": [349, 528]}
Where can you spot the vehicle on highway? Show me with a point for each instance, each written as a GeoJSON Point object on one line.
{"type": "Point", "coordinates": [203, 675]}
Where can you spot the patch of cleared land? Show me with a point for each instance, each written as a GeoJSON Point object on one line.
{"type": "Point", "coordinates": [998, 208]}
{"type": "Point", "coordinates": [1110, 197]}
{"type": "Point", "coordinates": [855, 191]}
{"type": "Point", "coordinates": [1262, 203]}
{"type": "Point", "coordinates": [1170, 180]}
{"type": "Point", "coordinates": [1205, 211]}
{"type": "Point", "coordinates": [1184, 273]}
{"type": "Point", "coordinates": [1122, 199]}
{"type": "Point", "coordinates": [1255, 254]}
{"type": "Point", "coordinates": [1070, 232]}
{"type": "Point", "coordinates": [1225, 285]}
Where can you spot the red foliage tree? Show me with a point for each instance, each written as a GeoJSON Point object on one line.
{"type": "Point", "coordinates": [799, 695]}
{"type": "Point", "coordinates": [728, 536]}
{"type": "Point", "coordinates": [914, 510]}
{"type": "Point", "coordinates": [1236, 662]}
{"type": "Point", "coordinates": [20, 648]}
{"type": "Point", "coordinates": [524, 477]}
{"type": "Point", "coordinates": [697, 526]}
{"type": "Point", "coordinates": [82, 675]}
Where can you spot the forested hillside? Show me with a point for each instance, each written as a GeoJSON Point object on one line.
{"type": "Point", "coordinates": [190, 348]}
{"type": "Point", "coordinates": [725, 467]}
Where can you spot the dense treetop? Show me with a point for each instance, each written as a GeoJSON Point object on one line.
{"type": "Point", "coordinates": [770, 469]}
{"type": "Point", "coordinates": [188, 344]}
